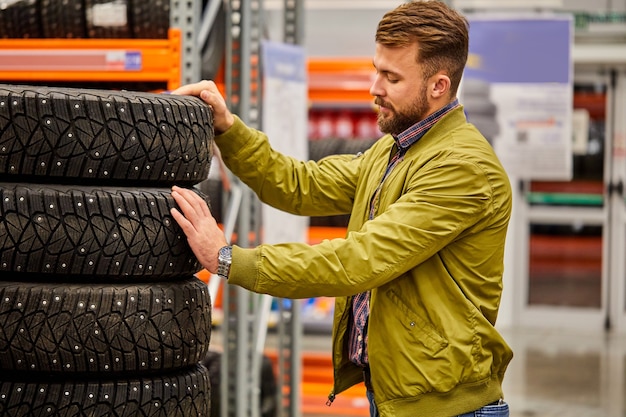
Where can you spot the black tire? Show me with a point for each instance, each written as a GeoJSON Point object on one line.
{"type": "Point", "coordinates": [182, 394]}
{"type": "Point", "coordinates": [107, 19]}
{"type": "Point", "coordinates": [84, 136]}
{"type": "Point", "coordinates": [213, 362]}
{"type": "Point", "coordinates": [268, 388]}
{"type": "Point", "coordinates": [214, 190]}
{"type": "Point", "coordinates": [213, 50]}
{"type": "Point", "coordinates": [61, 328]}
{"type": "Point", "coordinates": [321, 148]}
{"type": "Point", "coordinates": [20, 19]}
{"type": "Point", "coordinates": [354, 146]}
{"type": "Point", "coordinates": [63, 19]}
{"type": "Point", "coordinates": [340, 220]}
{"type": "Point", "coordinates": [89, 233]}
{"type": "Point", "coordinates": [150, 19]}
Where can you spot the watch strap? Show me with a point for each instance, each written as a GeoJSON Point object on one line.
{"type": "Point", "coordinates": [224, 261]}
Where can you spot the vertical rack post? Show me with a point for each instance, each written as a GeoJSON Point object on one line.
{"type": "Point", "coordinates": [290, 324]}
{"type": "Point", "coordinates": [241, 364]}
{"type": "Point", "coordinates": [184, 15]}
{"type": "Point", "coordinates": [246, 313]}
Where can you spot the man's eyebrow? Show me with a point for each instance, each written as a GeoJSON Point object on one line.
{"type": "Point", "coordinates": [385, 72]}
{"type": "Point", "coordinates": [389, 73]}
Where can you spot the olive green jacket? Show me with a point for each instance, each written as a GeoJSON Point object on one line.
{"type": "Point", "coordinates": [432, 258]}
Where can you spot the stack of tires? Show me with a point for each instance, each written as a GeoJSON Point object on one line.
{"type": "Point", "coordinates": [142, 19]}
{"type": "Point", "coordinates": [100, 311]}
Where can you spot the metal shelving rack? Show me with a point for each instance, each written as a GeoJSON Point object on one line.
{"type": "Point", "coordinates": [88, 60]}
{"type": "Point", "coordinates": [177, 61]}
{"type": "Point", "coordinates": [241, 358]}
{"type": "Point", "coordinates": [290, 323]}
{"type": "Point", "coordinates": [171, 61]}
{"type": "Point", "coordinates": [246, 314]}
{"type": "Point", "coordinates": [184, 16]}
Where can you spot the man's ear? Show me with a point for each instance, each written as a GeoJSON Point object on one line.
{"type": "Point", "coordinates": [440, 86]}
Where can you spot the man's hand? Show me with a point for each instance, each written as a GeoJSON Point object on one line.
{"type": "Point", "coordinates": [207, 90]}
{"type": "Point", "coordinates": [203, 234]}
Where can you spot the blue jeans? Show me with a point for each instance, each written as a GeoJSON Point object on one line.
{"type": "Point", "coordinates": [373, 408]}
{"type": "Point", "coordinates": [496, 410]}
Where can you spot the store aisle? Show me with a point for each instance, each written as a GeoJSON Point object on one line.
{"type": "Point", "coordinates": [566, 373]}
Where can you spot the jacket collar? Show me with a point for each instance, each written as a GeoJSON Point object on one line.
{"type": "Point", "coordinates": [405, 139]}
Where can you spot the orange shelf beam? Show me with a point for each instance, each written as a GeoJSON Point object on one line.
{"type": "Point", "coordinates": [72, 60]}
{"type": "Point", "coordinates": [340, 81]}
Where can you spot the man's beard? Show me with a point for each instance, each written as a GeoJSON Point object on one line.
{"type": "Point", "coordinates": [397, 121]}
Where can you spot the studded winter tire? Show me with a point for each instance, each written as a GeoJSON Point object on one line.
{"type": "Point", "coordinates": [63, 18]}
{"type": "Point", "coordinates": [268, 385]}
{"type": "Point", "coordinates": [102, 328]}
{"type": "Point", "coordinates": [83, 136]}
{"type": "Point", "coordinates": [150, 19]}
{"type": "Point", "coordinates": [90, 233]}
{"type": "Point", "coordinates": [19, 19]}
{"type": "Point", "coordinates": [320, 148]}
{"type": "Point", "coordinates": [214, 190]}
{"type": "Point", "coordinates": [182, 394]}
{"type": "Point", "coordinates": [107, 19]}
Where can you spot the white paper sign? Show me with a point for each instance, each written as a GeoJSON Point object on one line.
{"type": "Point", "coordinates": [285, 116]}
{"type": "Point", "coordinates": [517, 89]}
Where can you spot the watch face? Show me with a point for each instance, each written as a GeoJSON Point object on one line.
{"type": "Point", "coordinates": [226, 252]}
{"type": "Point", "coordinates": [224, 259]}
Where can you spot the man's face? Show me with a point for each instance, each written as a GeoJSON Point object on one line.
{"type": "Point", "coordinates": [399, 89]}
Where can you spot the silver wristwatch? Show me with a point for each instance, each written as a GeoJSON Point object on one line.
{"type": "Point", "coordinates": [224, 260]}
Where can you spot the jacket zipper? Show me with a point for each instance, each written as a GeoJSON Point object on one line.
{"type": "Point", "coordinates": [331, 398]}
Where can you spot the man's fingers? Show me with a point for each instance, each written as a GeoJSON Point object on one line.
{"type": "Point", "coordinates": [204, 207]}
{"type": "Point", "coordinates": [189, 229]}
{"type": "Point", "coordinates": [187, 209]}
{"type": "Point", "coordinates": [190, 202]}
{"type": "Point", "coordinates": [181, 220]}
{"type": "Point", "coordinates": [209, 93]}
{"type": "Point", "coordinates": [194, 89]}
{"type": "Point", "coordinates": [212, 98]}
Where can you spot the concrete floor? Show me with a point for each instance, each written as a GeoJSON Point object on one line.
{"type": "Point", "coordinates": [554, 374]}
{"type": "Point", "coordinates": [563, 373]}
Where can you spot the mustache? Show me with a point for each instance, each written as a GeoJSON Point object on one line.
{"type": "Point", "coordinates": [380, 102]}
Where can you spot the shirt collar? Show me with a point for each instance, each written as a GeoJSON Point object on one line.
{"type": "Point", "coordinates": [414, 133]}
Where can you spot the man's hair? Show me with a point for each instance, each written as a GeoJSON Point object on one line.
{"type": "Point", "coordinates": [440, 32]}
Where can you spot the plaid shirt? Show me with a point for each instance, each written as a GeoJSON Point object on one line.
{"type": "Point", "coordinates": [360, 303]}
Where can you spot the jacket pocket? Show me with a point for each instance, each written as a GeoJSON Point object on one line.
{"type": "Point", "coordinates": [421, 329]}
